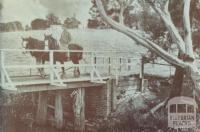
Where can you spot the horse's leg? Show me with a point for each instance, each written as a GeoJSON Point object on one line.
{"type": "Point", "coordinates": [42, 69]}
{"type": "Point", "coordinates": [63, 70]}
{"type": "Point", "coordinates": [39, 69]}
{"type": "Point", "coordinates": [76, 70]}
{"type": "Point", "coordinates": [74, 58]}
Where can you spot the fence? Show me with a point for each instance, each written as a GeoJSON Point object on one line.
{"type": "Point", "coordinates": [95, 67]}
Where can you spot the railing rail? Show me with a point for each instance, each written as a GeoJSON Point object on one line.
{"type": "Point", "coordinates": [67, 50]}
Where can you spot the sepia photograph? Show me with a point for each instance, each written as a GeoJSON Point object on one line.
{"type": "Point", "coordinates": [99, 65]}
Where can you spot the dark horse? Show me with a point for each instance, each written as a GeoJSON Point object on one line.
{"type": "Point", "coordinates": [75, 57]}
{"type": "Point", "coordinates": [42, 56]}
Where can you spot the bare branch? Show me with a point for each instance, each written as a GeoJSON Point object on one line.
{"type": "Point", "coordinates": [141, 40]}
{"type": "Point", "coordinates": [187, 28]}
{"type": "Point", "coordinates": [166, 17]}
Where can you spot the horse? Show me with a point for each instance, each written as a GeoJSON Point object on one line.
{"type": "Point", "coordinates": [42, 56]}
{"type": "Point", "coordinates": [73, 56]}
{"type": "Point", "coordinates": [34, 44]}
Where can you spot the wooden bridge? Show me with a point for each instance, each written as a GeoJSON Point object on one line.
{"type": "Point", "coordinates": [93, 92]}
{"type": "Point", "coordinates": [19, 71]}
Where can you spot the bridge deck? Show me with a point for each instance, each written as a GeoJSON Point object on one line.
{"type": "Point", "coordinates": [37, 83]}
{"type": "Point", "coordinates": [34, 80]}
{"type": "Point", "coordinates": [46, 87]}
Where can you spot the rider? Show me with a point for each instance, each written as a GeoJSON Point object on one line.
{"type": "Point", "coordinates": [60, 34]}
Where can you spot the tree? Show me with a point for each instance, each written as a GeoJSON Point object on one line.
{"type": "Point", "coordinates": [52, 19]}
{"type": "Point", "coordinates": [95, 21]}
{"type": "Point", "coordinates": [184, 61]}
{"type": "Point", "coordinates": [118, 10]}
{"type": "Point", "coordinates": [123, 5]}
{"type": "Point", "coordinates": [71, 22]}
{"type": "Point", "coordinates": [38, 24]}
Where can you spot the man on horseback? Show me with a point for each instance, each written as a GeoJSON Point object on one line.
{"type": "Point", "coordinates": [61, 35]}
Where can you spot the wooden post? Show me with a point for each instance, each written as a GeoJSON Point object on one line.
{"type": "Point", "coordinates": [79, 110]}
{"type": "Point", "coordinates": [51, 58]}
{"type": "Point", "coordinates": [108, 96]}
{"type": "Point", "coordinates": [109, 68]}
{"type": "Point", "coordinates": [58, 110]}
{"type": "Point", "coordinates": [41, 117]}
{"type": "Point", "coordinates": [129, 62]}
{"type": "Point", "coordinates": [30, 71]}
{"type": "Point", "coordinates": [93, 66]}
{"type": "Point", "coordinates": [120, 62]}
{"type": "Point", "coordinates": [33, 98]}
{"type": "Point", "coordinates": [95, 61]}
{"type": "Point", "coordinates": [2, 65]}
{"type": "Point", "coordinates": [141, 87]}
{"type": "Point", "coordinates": [113, 95]}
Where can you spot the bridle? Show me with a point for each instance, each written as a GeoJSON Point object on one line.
{"type": "Point", "coordinates": [23, 40]}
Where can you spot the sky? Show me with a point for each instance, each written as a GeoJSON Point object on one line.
{"type": "Point", "coordinates": [27, 10]}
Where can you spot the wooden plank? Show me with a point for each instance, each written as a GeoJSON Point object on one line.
{"type": "Point", "coordinates": [113, 95]}
{"type": "Point", "coordinates": [59, 120]}
{"type": "Point", "coordinates": [41, 118]}
{"type": "Point", "coordinates": [108, 98]}
{"type": "Point", "coordinates": [26, 66]}
{"type": "Point", "coordinates": [55, 65]}
{"type": "Point", "coordinates": [33, 82]}
{"type": "Point", "coordinates": [1, 67]}
{"type": "Point", "coordinates": [47, 81]}
{"type": "Point", "coordinates": [79, 110]}
{"type": "Point", "coordinates": [141, 87]}
{"type": "Point", "coordinates": [52, 67]}
{"type": "Point", "coordinates": [47, 87]}
{"type": "Point", "coordinates": [84, 51]}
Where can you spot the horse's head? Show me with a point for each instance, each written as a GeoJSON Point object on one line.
{"type": "Point", "coordinates": [25, 42]}
{"type": "Point", "coordinates": [31, 43]}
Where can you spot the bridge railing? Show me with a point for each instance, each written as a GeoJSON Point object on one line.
{"type": "Point", "coordinates": [98, 64]}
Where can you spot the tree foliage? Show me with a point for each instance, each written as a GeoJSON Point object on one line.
{"type": "Point", "coordinates": [72, 22]}
{"type": "Point", "coordinates": [53, 19]}
{"type": "Point", "coordinates": [113, 9]}
{"type": "Point", "coordinates": [151, 22]}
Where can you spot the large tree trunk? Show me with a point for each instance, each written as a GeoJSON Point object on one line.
{"type": "Point", "coordinates": [177, 82]}
{"type": "Point", "coordinates": [193, 74]}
